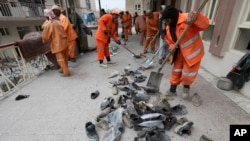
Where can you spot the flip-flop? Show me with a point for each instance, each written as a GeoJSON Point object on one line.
{"type": "Point", "coordinates": [95, 94]}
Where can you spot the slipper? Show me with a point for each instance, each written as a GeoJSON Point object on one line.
{"type": "Point", "coordinates": [95, 94]}
{"type": "Point", "coordinates": [196, 100]}
{"type": "Point", "coordinates": [20, 97]}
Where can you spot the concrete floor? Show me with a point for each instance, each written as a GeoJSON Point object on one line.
{"type": "Point", "coordinates": [59, 107]}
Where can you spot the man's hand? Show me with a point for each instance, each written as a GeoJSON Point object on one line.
{"type": "Point", "coordinates": [190, 17]}
{"type": "Point", "coordinates": [118, 42]}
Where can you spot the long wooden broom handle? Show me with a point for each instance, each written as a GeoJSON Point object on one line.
{"type": "Point", "coordinates": [183, 33]}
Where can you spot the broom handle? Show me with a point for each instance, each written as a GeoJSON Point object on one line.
{"type": "Point", "coordinates": [183, 34]}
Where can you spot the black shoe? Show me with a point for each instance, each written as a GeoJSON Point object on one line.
{"type": "Point", "coordinates": [20, 97]}
{"type": "Point", "coordinates": [91, 132]}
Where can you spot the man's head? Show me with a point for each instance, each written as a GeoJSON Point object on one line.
{"type": "Point", "coordinates": [57, 10]}
{"type": "Point", "coordinates": [49, 14]}
{"type": "Point", "coordinates": [115, 14]}
{"type": "Point", "coordinates": [149, 14]}
{"type": "Point", "coordinates": [170, 15]}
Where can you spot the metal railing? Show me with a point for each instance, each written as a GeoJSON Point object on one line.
{"type": "Point", "coordinates": [15, 71]}
{"type": "Point", "coordinates": [20, 9]}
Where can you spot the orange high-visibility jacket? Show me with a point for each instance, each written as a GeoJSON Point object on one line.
{"type": "Point", "coordinates": [68, 28]}
{"type": "Point", "coordinates": [106, 23]}
{"type": "Point", "coordinates": [152, 24]}
{"type": "Point", "coordinates": [54, 33]}
{"type": "Point", "coordinates": [124, 21]}
{"type": "Point", "coordinates": [191, 45]}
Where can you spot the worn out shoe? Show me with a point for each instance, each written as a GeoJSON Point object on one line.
{"type": "Point", "coordinates": [102, 65]}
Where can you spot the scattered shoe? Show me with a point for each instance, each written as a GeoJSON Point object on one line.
{"type": "Point", "coordinates": [103, 124]}
{"type": "Point", "coordinates": [185, 93]}
{"type": "Point", "coordinates": [113, 74]}
{"type": "Point", "coordinates": [60, 71]}
{"type": "Point", "coordinates": [103, 65]}
{"type": "Point", "coordinates": [95, 94]}
{"type": "Point", "coordinates": [115, 90]}
{"type": "Point", "coordinates": [196, 100]}
{"type": "Point", "coordinates": [185, 128]}
{"type": "Point", "coordinates": [205, 138]}
{"type": "Point", "coordinates": [134, 86]}
{"type": "Point", "coordinates": [169, 93]}
{"type": "Point", "coordinates": [170, 122]}
{"type": "Point", "coordinates": [141, 96]}
{"type": "Point", "coordinates": [91, 132]}
{"type": "Point", "coordinates": [123, 81]}
{"type": "Point", "coordinates": [20, 97]}
{"type": "Point", "coordinates": [107, 102]}
{"type": "Point", "coordinates": [139, 78]}
{"type": "Point", "coordinates": [126, 120]}
{"type": "Point", "coordinates": [179, 110]}
{"type": "Point", "coordinates": [104, 112]}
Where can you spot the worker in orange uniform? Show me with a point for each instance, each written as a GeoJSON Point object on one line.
{"type": "Point", "coordinates": [54, 33]}
{"type": "Point", "coordinates": [130, 21]}
{"type": "Point", "coordinates": [68, 28]}
{"type": "Point", "coordinates": [107, 29]}
{"type": "Point", "coordinates": [152, 23]}
{"type": "Point", "coordinates": [141, 28]}
{"type": "Point", "coordinates": [189, 52]}
{"type": "Point", "coordinates": [125, 25]}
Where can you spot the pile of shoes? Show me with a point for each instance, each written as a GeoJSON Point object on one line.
{"type": "Point", "coordinates": [133, 108]}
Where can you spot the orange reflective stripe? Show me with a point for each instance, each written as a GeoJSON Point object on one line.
{"type": "Point", "coordinates": [195, 53]}
{"type": "Point", "coordinates": [189, 73]}
{"type": "Point", "coordinates": [177, 70]}
{"type": "Point", "coordinates": [190, 41]}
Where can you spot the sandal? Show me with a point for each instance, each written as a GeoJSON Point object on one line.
{"type": "Point", "coordinates": [95, 94]}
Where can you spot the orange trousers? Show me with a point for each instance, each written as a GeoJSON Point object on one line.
{"type": "Point", "coordinates": [102, 50]}
{"type": "Point", "coordinates": [62, 60]}
{"type": "Point", "coordinates": [130, 30]}
{"type": "Point", "coordinates": [125, 32]}
{"type": "Point", "coordinates": [150, 40]}
{"type": "Point", "coordinates": [71, 49]}
{"type": "Point", "coordinates": [182, 73]}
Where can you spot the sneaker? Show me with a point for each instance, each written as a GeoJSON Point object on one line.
{"type": "Point", "coordinates": [131, 109]}
{"type": "Point", "coordinates": [145, 52]}
{"type": "Point", "coordinates": [126, 120]}
{"type": "Point", "coordinates": [169, 122]}
{"type": "Point", "coordinates": [196, 100]}
{"type": "Point", "coordinates": [103, 124]}
{"type": "Point", "coordinates": [185, 93]}
{"type": "Point", "coordinates": [104, 112]}
{"type": "Point", "coordinates": [103, 65]}
{"type": "Point", "coordinates": [169, 93]}
{"type": "Point", "coordinates": [91, 132]}
{"type": "Point", "coordinates": [141, 96]}
{"type": "Point", "coordinates": [162, 103]}
{"type": "Point", "coordinates": [185, 128]}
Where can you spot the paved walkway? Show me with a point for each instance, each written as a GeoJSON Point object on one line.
{"type": "Point", "coordinates": [59, 107]}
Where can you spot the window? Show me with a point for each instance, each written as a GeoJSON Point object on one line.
{"type": "Point", "coordinates": [4, 31]}
{"type": "Point", "coordinates": [137, 7]}
{"type": "Point", "coordinates": [23, 30]}
{"type": "Point", "coordinates": [88, 5]}
{"type": "Point", "coordinates": [38, 28]}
